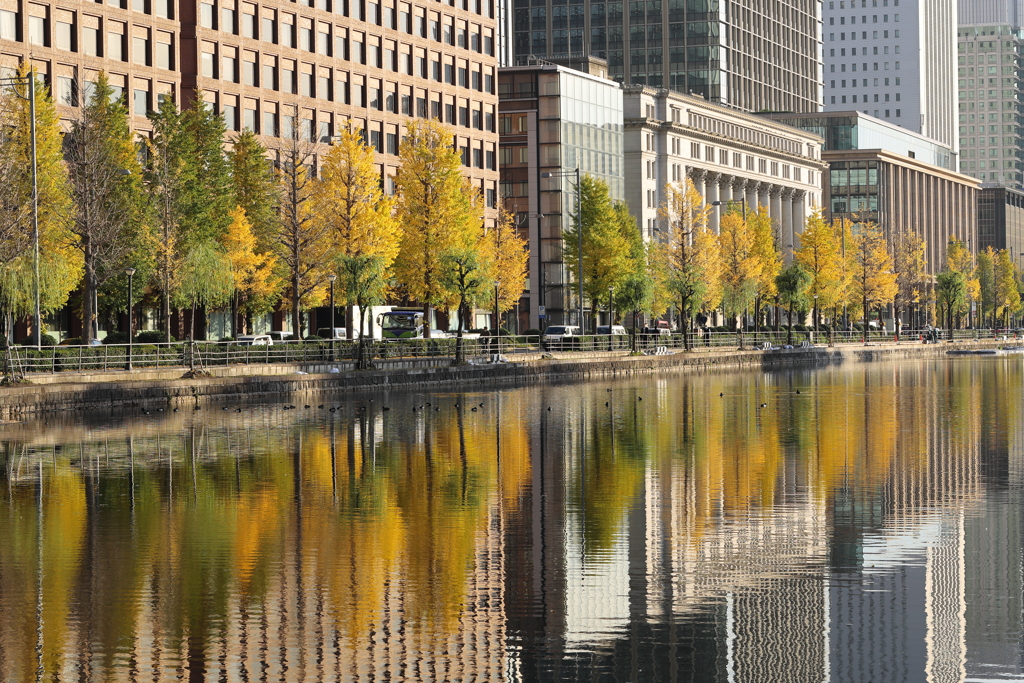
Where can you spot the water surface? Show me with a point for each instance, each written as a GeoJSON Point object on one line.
{"type": "Point", "coordinates": [858, 523]}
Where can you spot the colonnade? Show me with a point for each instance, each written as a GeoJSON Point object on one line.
{"type": "Point", "coordinates": [788, 206]}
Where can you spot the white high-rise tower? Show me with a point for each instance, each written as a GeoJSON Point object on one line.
{"type": "Point", "coordinates": [896, 60]}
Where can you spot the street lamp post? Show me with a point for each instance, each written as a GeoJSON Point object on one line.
{"type": "Point", "coordinates": [815, 317]}
{"type": "Point", "coordinates": [743, 202]}
{"type": "Point", "coordinates": [497, 322]}
{"type": "Point", "coordinates": [579, 237]}
{"type": "Point", "coordinates": [130, 272]}
{"type": "Point", "coordinates": [331, 278]}
{"type": "Point", "coordinates": [29, 82]}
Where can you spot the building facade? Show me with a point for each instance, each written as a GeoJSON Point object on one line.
{"type": "Point", "coordinates": [282, 69]}
{"type": "Point", "coordinates": [1001, 220]}
{"type": "Point", "coordinates": [895, 61]}
{"type": "Point", "coordinates": [755, 55]}
{"type": "Point", "coordinates": [554, 120]}
{"type": "Point", "coordinates": [730, 156]}
{"type": "Point", "coordinates": [991, 115]}
{"type": "Point", "coordinates": [901, 180]}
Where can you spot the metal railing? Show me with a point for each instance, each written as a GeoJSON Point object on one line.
{"type": "Point", "coordinates": [345, 354]}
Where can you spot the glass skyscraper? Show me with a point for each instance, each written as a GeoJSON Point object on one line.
{"type": "Point", "coordinates": [755, 55]}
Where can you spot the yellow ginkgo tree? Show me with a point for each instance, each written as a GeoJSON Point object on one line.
{"type": "Point", "coordinates": [255, 280]}
{"type": "Point", "coordinates": [360, 223]}
{"type": "Point", "coordinates": [439, 211]}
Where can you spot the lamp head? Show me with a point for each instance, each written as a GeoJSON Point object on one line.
{"type": "Point", "coordinates": [129, 271]}
{"type": "Point", "coordinates": [332, 277]}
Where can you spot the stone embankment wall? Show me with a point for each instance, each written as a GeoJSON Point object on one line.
{"type": "Point", "coordinates": [154, 388]}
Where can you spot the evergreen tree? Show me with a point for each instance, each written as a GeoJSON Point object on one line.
{"type": "Point", "coordinates": [960, 260]}
{"type": "Point", "coordinates": [951, 289]}
{"type": "Point", "coordinates": [438, 209]}
{"type": "Point", "coordinates": [605, 240]}
{"type": "Point", "coordinates": [986, 275]}
{"type": "Point", "coordinates": [792, 284]}
{"type": "Point", "coordinates": [255, 190]}
{"type": "Point", "coordinates": [111, 214]}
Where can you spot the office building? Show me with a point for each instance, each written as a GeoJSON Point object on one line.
{"type": "Point", "coordinates": [278, 68]}
{"type": "Point", "coordinates": [730, 157]}
{"type": "Point", "coordinates": [1001, 220]}
{"type": "Point", "coordinates": [893, 60]}
{"type": "Point", "coordinates": [755, 56]}
{"type": "Point", "coordinates": [553, 120]}
{"type": "Point", "coordinates": [881, 173]}
{"type": "Point", "coordinates": [991, 116]}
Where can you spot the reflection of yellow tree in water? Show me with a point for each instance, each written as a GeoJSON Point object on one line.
{"type": "Point", "coordinates": [42, 534]}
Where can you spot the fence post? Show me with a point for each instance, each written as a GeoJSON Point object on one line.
{"type": "Point", "coordinates": [106, 349]}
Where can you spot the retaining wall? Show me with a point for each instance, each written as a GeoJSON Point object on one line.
{"type": "Point", "coordinates": [107, 390]}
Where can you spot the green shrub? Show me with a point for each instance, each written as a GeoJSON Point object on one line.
{"type": "Point", "coordinates": [72, 341]}
{"type": "Point", "coordinates": [44, 340]}
{"type": "Point", "coordinates": [312, 337]}
{"type": "Point", "coordinates": [152, 337]}
{"type": "Point", "coordinates": [116, 338]}
{"type": "Point", "coordinates": [533, 332]}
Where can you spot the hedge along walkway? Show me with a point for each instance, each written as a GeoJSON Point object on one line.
{"type": "Point", "coordinates": [105, 391]}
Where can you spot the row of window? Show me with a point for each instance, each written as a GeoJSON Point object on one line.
{"type": "Point", "coordinates": [274, 73]}
{"type": "Point", "coordinates": [751, 135]}
{"type": "Point", "coordinates": [863, 4]}
{"type": "Point", "coordinates": [864, 19]}
{"type": "Point", "coordinates": [988, 94]}
{"type": "Point", "coordinates": [864, 50]}
{"type": "Point", "coordinates": [863, 36]}
{"type": "Point", "coordinates": [289, 30]}
{"type": "Point", "coordinates": [994, 152]}
{"type": "Point", "coordinates": [853, 67]}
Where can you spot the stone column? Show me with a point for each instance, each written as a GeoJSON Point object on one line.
{"type": "Point", "coordinates": [750, 192]}
{"type": "Point", "coordinates": [697, 177]}
{"type": "Point", "coordinates": [711, 195]}
{"type": "Point", "coordinates": [799, 211]}
{"type": "Point", "coordinates": [763, 198]}
{"type": "Point", "coordinates": [786, 233]}
{"type": "Point", "coordinates": [775, 211]}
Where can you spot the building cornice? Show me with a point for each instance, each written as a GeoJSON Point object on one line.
{"type": "Point", "coordinates": [899, 160]}
{"type": "Point", "coordinates": [704, 136]}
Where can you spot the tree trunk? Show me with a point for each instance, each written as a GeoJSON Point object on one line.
{"type": "Point", "coordinates": [427, 313]}
{"type": "Point", "coordinates": [350, 322]}
{"type": "Point", "coordinates": [789, 332]}
{"type": "Point", "coordinates": [296, 295]}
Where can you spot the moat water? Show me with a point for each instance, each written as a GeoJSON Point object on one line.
{"type": "Point", "coordinates": [860, 523]}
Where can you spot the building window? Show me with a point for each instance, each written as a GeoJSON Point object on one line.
{"type": "Point", "coordinates": [115, 46]}
{"type": "Point", "coordinates": [206, 13]}
{"type": "Point", "coordinates": [250, 120]}
{"type": "Point", "coordinates": [270, 123]}
{"type": "Point", "coordinates": [140, 102]}
{"type": "Point", "coordinates": [208, 60]}
{"type": "Point", "coordinates": [140, 51]}
{"type": "Point", "coordinates": [37, 31]}
{"type": "Point", "coordinates": [67, 93]}
{"type": "Point", "coordinates": [8, 25]}
{"type": "Point", "coordinates": [65, 35]}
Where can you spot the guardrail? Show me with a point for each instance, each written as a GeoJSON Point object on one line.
{"type": "Point", "coordinates": [202, 355]}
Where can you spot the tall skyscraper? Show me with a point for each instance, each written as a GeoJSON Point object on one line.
{"type": "Point", "coordinates": [895, 61]}
{"type": "Point", "coordinates": [755, 55]}
{"type": "Point", "coordinates": [990, 42]}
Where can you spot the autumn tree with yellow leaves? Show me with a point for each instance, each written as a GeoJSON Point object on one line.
{"type": "Point", "coordinates": [438, 209]}
{"type": "Point", "coordinates": [874, 280]}
{"type": "Point", "coordinates": [690, 253]}
{"type": "Point", "coordinates": [908, 259]}
{"type": "Point", "coordinates": [741, 268]}
{"type": "Point", "coordinates": [1007, 294]}
{"type": "Point", "coordinates": [768, 255]}
{"type": "Point", "coordinates": [360, 221]}
{"type": "Point", "coordinates": [820, 254]}
{"type": "Point", "coordinates": [506, 253]}
{"type": "Point", "coordinates": [254, 277]}
{"type": "Point", "coordinates": [60, 261]}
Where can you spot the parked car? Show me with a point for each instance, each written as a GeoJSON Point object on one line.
{"type": "Point", "coordinates": [611, 329]}
{"type": "Point", "coordinates": [339, 333]}
{"type": "Point", "coordinates": [558, 337]}
{"type": "Point", "coordinates": [281, 336]}
{"type": "Point", "coordinates": [255, 340]}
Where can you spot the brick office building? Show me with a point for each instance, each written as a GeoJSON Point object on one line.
{"type": "Point", "coordinates": [281, 69]}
